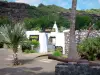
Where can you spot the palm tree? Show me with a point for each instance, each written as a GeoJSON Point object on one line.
{"type": "Point", "coordinates": [73, 54]}
{"type": "Point", "coordinates": [13, 35]}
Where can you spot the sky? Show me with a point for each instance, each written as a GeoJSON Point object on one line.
{"type": "Point", "coordinates": [81, 4]}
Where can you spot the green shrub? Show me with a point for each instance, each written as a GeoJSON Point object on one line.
{"type": "Point", "coordinates": [32, 51]}
{"type": "Point", "coordinates": [26, 51]}
{"type": "Point", "coordinates": [26, 45]}
{"type": "Point", "coordinates": [59, 48]}
{"type": "Point", "coordinates": [89, 48]}
{"type": "Point", "coordinates": [29, 51]}
{"type": "Point", "coordinates": [1, 44]}
{"type": "Point", "coordinates": [35, 43]}
{"type": "Point", "coordinates": [57, 53]}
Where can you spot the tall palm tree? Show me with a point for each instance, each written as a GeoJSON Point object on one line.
{"type": "Point", "coordinates": [73, 54]}
{"type": "Point", "coordinates": [13, 35]}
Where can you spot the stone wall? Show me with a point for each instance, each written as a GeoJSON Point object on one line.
{"type": "Point", "coordinates": [83, 33]}
{"type": "Point", "coordinates": [76, 69]}
{"type": "Point", "coordinates": [80, 36]}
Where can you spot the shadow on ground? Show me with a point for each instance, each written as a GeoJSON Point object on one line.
{"type": "Point", "coordinates": [29, 61]}
{"type": "Point", "coordinates": [26, 61]}
{"type": "Point", "coordinates": [24, 71]}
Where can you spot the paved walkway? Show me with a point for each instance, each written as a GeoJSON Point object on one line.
{"type": "Point", "coordinates": [31, 65]}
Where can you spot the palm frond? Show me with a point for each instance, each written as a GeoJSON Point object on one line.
{"type": "Point", "coordinates": [13, 34]}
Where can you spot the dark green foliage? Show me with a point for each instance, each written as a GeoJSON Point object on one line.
{"type": "Point", "coordinates": [63, 22]}
{"type": "Point", "coordinates": [32, 51]}
{"type": "Point", "coordinates": [29, 51]}
{"type": "Point", "coordinates": [57, 53]}
{"type": "Point", "coordinates": [82, 22]}
{"type": "Point", "coordinates": [33, 12]}
{"type": "Point", "coordinates": [4, 20]}
{"type": "Point", "coordinates": [97, 25]}
{"type": "Point", "coordinates": [89, 48]}
{"type": "Point", "coordinates": [46, 22]}
{"type": "Point", "coordinates": [51, 9]}
{"type": "Point", "coordinates": [1, 44]}
{"type": "Point", "coordinates": [26, 45]}
{"type": "Point", "coordinates": [29, 23]}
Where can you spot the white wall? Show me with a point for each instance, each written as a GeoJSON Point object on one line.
{"type": "Point", "coordinates": [43, 43]}
{"type": "Point", "coordinates": [28, 33]}
{"type": "Point", "coordinates": [60, 41]}
{"type": "Point", "coordinates": [42, 40]}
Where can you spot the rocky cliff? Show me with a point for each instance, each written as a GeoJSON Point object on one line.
{"type": "Point", "coordinates": [14, 11]}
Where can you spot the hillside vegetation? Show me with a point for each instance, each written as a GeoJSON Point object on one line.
{"type": "Point", "coordinates": [43, 16]}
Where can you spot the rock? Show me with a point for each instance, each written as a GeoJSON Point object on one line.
{"type": "Point", "coordinates": [14, 11]}
{"type": "Point", "coordinates": [76, 69]}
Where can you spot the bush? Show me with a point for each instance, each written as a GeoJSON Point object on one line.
{"type": "Point", "coordinates": [57, 53]}
{"type": "Point", "coordinates": [89, 48]}
{"type": "Point", "coordinates": [29, 51]}
{"type": "Point", "coordinates": [32, 51]}
{"type": "Point", "coordinates": [59, 48]}
{"type": "Point", "coordinates": [35, 43]}
{"type": "Point", "coordinates": [1, 45]}
{"type": "Point", "coordinates": [26, 51]}
{"type": "Point", "coordinates": [26, 45]}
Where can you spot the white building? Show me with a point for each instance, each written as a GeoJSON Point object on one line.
{"type": "Point", "coordinates": [42, 40]}
{"type": "Point", "coordinates": [57, 39]}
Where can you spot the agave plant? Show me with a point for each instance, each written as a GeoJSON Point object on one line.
{"type": "Point", "coordinates": [12, 36]}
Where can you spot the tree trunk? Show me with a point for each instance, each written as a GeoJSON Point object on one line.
{"type": "Point", "coordinates": [79, 36]}
{"type": "Point", "coordinates": [15, 60]}
{"type": "Point", "coordinates": [73, 54]}
{"type": "Point", "coordinates": [15, 57]}
{"type": "Point", "coordinates": [89, 30]}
